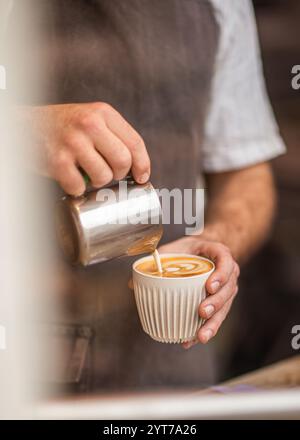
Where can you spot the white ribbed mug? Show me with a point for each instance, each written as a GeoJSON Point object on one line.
{"type": "Point", "coordinates": [168, 307]}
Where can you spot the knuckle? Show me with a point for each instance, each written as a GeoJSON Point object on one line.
{"type": "Point", "coordinates": [71, 142]}
{"type": "Point", "coordinates": [236, 270]}
{"type": "Point", "coordinates": [102, 107]}
{"type": "Point", "coordinates": [124, 160]}
{"type": "Point", "coordinates": [105, 177]}
{"type": "Point", "coordinates": [61, 161]}
{"type": "Point", "coordinates": [218, 302]}
{"type": "Point", "coordinates": [89, 121]}
{"type": "Point", "coordinates": [136, 143]}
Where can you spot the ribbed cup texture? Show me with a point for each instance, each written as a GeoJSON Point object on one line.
{"type": "Point", "coordinates": [168, 314]}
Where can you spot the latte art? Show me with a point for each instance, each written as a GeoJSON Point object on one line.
{"type": "Point", "coordinates": [176, 267]}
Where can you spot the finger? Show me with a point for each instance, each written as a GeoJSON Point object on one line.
{"type": "Point", "coordinates": [224, 266]}
{"type": "Point", "coordinates": [68, 176]}
{"type": "Point", "coordinates": [213, 303]}
{"type": "Point", "coordinates": [114, 151]}
{"type": "Point", "coordinates": [128, 135]}
{"type": "Point", "coordinates": [92, 162]}
{"type": "Point", "coordinates": [212, 325]}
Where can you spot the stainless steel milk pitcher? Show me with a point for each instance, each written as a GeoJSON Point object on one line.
{"type": "Point", "coordinates": [122, 219]}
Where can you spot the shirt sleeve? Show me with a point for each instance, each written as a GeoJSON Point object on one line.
{"type": "Point", "coordinates": [240, 128]}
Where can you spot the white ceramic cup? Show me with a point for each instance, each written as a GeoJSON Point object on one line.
{"type": "Point", "coordinates": [168, 307]}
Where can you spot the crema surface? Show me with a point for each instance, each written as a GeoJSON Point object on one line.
{"type": "Point", "coordinates": [176, 267]}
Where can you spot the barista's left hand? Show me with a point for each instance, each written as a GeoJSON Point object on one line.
{"type": "Point", "coordinates": [221, 286]}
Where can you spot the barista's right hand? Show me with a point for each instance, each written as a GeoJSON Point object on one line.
{"type": "Point", "coordinates": [94, 137]}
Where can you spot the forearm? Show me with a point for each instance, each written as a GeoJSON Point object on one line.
{"type": "Point", "coordinates": [240, 209]}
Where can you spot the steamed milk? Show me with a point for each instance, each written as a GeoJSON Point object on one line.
{"type": "Point", "coordinates": [157, 261]}
{"type": "Point", "coordinates": [177, 266]}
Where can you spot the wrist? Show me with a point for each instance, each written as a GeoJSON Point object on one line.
{"type": "Point", "coordinates": [224, 234]}
{"type": "Point", "coordinates": [192, 244]}
{"type": "Point", "coordinates": [213, 232]}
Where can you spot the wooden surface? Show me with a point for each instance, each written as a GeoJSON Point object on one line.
{"type": "Point", "coordinates": [284, 374]}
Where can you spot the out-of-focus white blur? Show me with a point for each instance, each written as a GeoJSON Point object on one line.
{"type": "Point", "coordinates": [21, 204]}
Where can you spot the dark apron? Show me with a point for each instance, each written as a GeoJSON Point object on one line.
{"type": "Point", "coordinates": [153, 61]}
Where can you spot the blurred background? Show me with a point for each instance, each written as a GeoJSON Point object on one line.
{"type": "Point", "coordinates": [268, 304]}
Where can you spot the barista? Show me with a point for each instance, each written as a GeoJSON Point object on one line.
{"type": "Point", "coordinates": [181, 83]}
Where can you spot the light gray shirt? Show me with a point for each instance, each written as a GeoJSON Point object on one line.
{"type": "Point", "coordinates": [240, 126]}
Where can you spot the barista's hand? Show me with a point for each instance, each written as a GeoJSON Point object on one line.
{"type": "Point", "coordinates": [221, 285]}
{"type": "Point", "coordinates": [92, 136]}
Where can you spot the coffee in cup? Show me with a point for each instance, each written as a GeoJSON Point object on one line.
{"type": "Point", "coordinates": [176, 266]}
{"type": "Point", "coordinates": [168, 300]}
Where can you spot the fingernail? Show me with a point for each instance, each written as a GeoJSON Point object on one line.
{"type": "Point", "coordinates": [209, 310]}
{"type": "Point", "coordinates": [144, 178]}
{"type": "Point", "coordinates": [79, 194]}
{"type": "Point", "coordinates": [215, 286]}
{"type": "Point", "coordinates": [207, 335]}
